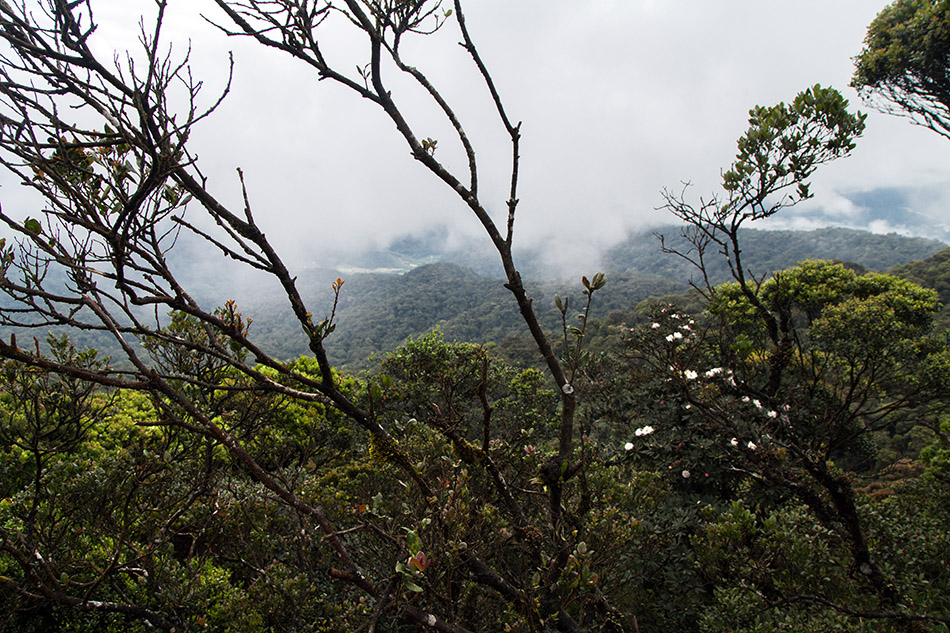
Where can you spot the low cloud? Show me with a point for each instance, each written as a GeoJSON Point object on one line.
{"type": "Point", "coordinates": [618, 100]}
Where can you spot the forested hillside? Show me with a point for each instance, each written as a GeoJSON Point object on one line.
{"type": "Point", "coordinates": [932, 272]}
{"type": "Point", "coordinates": [378, 311]}
{"type": "Point", "coordinates": [774, 250]}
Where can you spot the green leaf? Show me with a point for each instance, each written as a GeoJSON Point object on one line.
{"type": "Point", "coordinates": [33, 226]}
{"type": "Point", "coordinates": [413, 542]}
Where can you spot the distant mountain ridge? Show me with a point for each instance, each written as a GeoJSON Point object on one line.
{"type": "Point", "coordinates": [639, 253]}
{"type": "Point", "coordinates": [378, 311]}
{"type": "Point", "coordinates": [765, 251]}
{"type": "Point", "coordinates": [468, 301]}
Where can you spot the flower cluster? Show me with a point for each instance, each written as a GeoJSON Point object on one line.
{"type": "Point", "coordinates": [769, 413]}
{"type": "Point", "coordinates": [751, 445]}
{"type": "Point", "coordinates": [641, 432]}
{"type": "Point", "coordinates": [678, 328]}
{"type": "Point", "coordinates": [680, 333]}
{"type": "Point", "coordinates": [755, 403]}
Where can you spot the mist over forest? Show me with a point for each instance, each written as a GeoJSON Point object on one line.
{"type": "Point", "coordinates": [417, 284]}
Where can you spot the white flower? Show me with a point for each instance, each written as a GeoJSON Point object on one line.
{"type": "Point", "coordinates": [751, 446]}
{"type": "Point", "coordinates": [745, 398]}
{"type": "Point", "coordinates": [677, 335]}
{"type": "Point", "coordinates": [628, 446]}
{"type": "Point", "coordinates": [689, 374]}
{"type": "Point", "coordinates": [646, 430]}
{"type": "Point", "coordinates": [715, 371]}
{"type": "Point", "coordinates": [758, 405]}
{"type": "Point", "coordinates": [734, 442]}
{"type": "Point", "coordinates": [654, 325]}
{"type": "Point", "coordinates": [772, 414]}
{"type": "Point", "coordinates": [685, 474]}
{"type": "Point", "coordinates": [669, 338]}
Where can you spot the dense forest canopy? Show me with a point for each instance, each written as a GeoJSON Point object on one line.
{"type": "Point", "coordinates": [770, 451]}
{"type": "Point", "coordinates": [932, 272]}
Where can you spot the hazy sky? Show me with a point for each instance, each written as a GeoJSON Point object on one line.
{"type": "Point", "coordinates": [618, 98]}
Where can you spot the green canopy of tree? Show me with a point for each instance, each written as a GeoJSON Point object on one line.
{"type": "Point", "coordinates": [904, 67]}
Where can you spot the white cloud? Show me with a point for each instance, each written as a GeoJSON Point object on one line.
{"type": "Point", "coordinates": [618, 100]}
{"type": "Point", "coordinates": [883, 227]}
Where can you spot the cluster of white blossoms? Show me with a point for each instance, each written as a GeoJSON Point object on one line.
{"type": "Point", "coordinates": [755, 403]}
{"type": "Point", "coordinates": [709, 374]}
{"type": "Point", "coordinates": [641, 432]}
{"type": "Point", "coordinates": [750, 445]}
{"type": "Point", "coordinates": [677, 335]}
{"type": "Point", "coordinates": [680, 333]}
{"type": "Point", "coordinates": [771, 413]}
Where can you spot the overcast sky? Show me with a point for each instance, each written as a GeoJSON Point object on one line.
{"type": "Point", "coordinates": [618, 98]}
